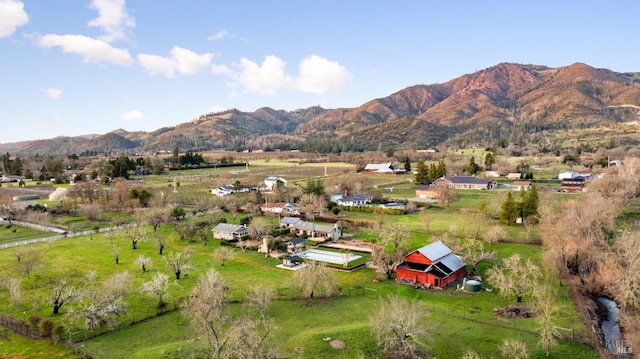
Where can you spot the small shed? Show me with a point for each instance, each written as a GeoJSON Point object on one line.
{"type": "Point", "coordinates": [291, 261]}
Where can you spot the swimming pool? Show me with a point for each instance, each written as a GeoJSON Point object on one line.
{"type": "Point", "coordinates": [327, 256]}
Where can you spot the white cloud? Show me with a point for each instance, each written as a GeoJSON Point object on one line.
{"type": "Point", "coordinates": [90, 49]}
{"type": "Point", "coordinates": [267, 78]}
{"type": "Point", "coordinates": [133, 115]}
{"type": "Point", "coordinates": [53, 94]}
{"type": "Point", "coordinates": [157, 65]}
{"type": "Point", "coordinates": [222, 34]}
{"type": "Point", "coordinates": [188, 62]}
{"type": "Point", "coordinates": [12, 16]}
{"type": "Point", "coordinates": [182, 61]}
{"type": "Point", "coordinates": [316, 75]}
{"type": "Point", "coordinates": [112, 18]}
{"type": "Point", "coordinates": [319, 75]}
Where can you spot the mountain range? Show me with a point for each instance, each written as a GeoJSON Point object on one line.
{"type": "Point", "coordinates": [513, 103]}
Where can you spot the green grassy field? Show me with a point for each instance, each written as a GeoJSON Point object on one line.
{"type": "Point", "coordinates": [458, 321]}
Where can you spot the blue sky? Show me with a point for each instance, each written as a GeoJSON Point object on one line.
{"type": "Point", "coordinates": [78, 67]}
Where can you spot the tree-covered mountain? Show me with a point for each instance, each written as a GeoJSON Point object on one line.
{"type": "Point", "coordinates": [508, 102]}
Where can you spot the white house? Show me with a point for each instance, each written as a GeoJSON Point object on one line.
{"type": "Point", "coordinates": [568, 175]}
{"type": "Point", "coordinates": [352, 201]}
{"type": "Point", "coordinates": [223, 190]}
{"type": "Point", "coordinates": [272, 181]}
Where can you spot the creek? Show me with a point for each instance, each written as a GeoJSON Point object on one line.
{"type": "Point", "coordinates": [613, 338]}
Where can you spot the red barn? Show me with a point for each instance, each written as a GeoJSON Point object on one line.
{"type": "Point", "coordinates": [433, 264]}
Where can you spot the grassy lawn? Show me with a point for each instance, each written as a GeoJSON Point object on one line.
{"type": "Point", "coordinates": [301, 323]}
{"type": "Point", "coordinates": [12, 233]}
{"type": "Point", "coordinates": [458, 320]}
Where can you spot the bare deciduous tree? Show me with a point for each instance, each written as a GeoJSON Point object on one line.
{"type": "Point", "coordinates": [160, 242]}
{"type": "Point", "coordinates": [144, 262]}
{"type": "Point", "coordinates": [158, 287]}
{"type": "Point", "coordinates": [223, 254]}
{"type": "Point", "coordinates": [495, 234]}
{"type": "Point", "coordinates": [515, 277]}
{"type": "Point", "coordinates": [179, 262]}
{"type": "Point", "coordinates": [62, 292]}
{"type": "Point", "coordinates": [29, 261]}
{"type": "Point", "coordinates": [472, 252]}
{"type": "Point", "coordinates": [547, 309]}
{"type": "Point", "coordinates": [14, 286]}
{"type": "Point", "coordinates": [386, 260]}
{"type": "Point", "coordinates": [400, 328]}
{"type": "Point", "coordinates": [260, 297]}
{"type": "Point", "coordinates": [206, 309]}
{"type": "Point", "coordinates": [315, 280]}
{"type": "Point", "coordinates": [156, 216]}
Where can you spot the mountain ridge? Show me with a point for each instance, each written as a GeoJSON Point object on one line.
{"type": "Point", "coordinates": [507, 100]}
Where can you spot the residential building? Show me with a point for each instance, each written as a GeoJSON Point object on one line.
{"type": "Point", "coordinates": [513, 176]}
{"type": "Point", "coordinates": [313, 230]}
{"type": "Point", "coordinates": [229, 231]}
{"type": "Point", "coordinates": [289, 222]}
{"type": "Point", "coordinates": [272, 182]}
{"type": "Point", "coordinates": [352, 201]}
{"type": "Point", "coordinates": [575, 184]}
{"type": "Point", "coordinates": [434, 265]}
{"type": "Point", "coordinates": [424, 191]}
{"type": "Point", "coordinates": [465, 182]}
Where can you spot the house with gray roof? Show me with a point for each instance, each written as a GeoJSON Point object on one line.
{"type": "Point", "coordinates": [230, 232]}
{"type": "Point", "coordinates": [314, 230]}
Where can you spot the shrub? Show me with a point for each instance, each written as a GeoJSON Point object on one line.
{"type": "Point", "coordinates": [46, 327]}
{"type": "Point", "coordinates": [34, 320]}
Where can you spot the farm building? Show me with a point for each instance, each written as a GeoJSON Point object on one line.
{"type": "Point", "coordinates": [434, 265]}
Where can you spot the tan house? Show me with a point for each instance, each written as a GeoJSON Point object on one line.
{"type": "Point", "coordinates": [426, 192]}
{"type": "Point", "coordinates": [229, 231]}
{"type": "Point", "coordinates": [513, 176]}
{"type": "Point", "coordinates": [465, 182]}
{"type": "Point", "coordinates": [313, 230]}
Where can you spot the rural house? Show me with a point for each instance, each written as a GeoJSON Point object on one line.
{"type": "Point", "coordinates": [279, 208]}
{"type": "Point", "coordinates": [514, 176]}
{"type": "Point", "coordinates": [352, 201]}
{"type": "Point", "coordinates": [465, 182]}
{"type": "Point", "coordinates": [433, 265]}
{"type": "Point", "coordinates": [383, 168]}
{"type": "Point", "coordinates": [223, 190]}
{"type": "Point", "coordinates": [575, 184]}
{"type": "Point", "coordinates": [228, 231]}
{"type": "Point", "coordinates": [272, 182]}
{"type": "Point", "coordinates": [313, 230]}
{"type": "Point", "coordinates": [424, 191]}
{"type": "Point", "coordinates": [289, 222]}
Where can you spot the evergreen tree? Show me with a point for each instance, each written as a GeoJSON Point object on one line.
{"type": "Point", "coordinates": [422, 173]}
{"type": "Point", "coordinates": [471, 168]}
{"type": "Point", "coordinates": [530, 202]}
{"type": "Point", "coordinates": [441, 171]}
{"type": "Point", "coordinates": [407, 164]}
{"type": "Point", "coordinates": [509, 211]}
